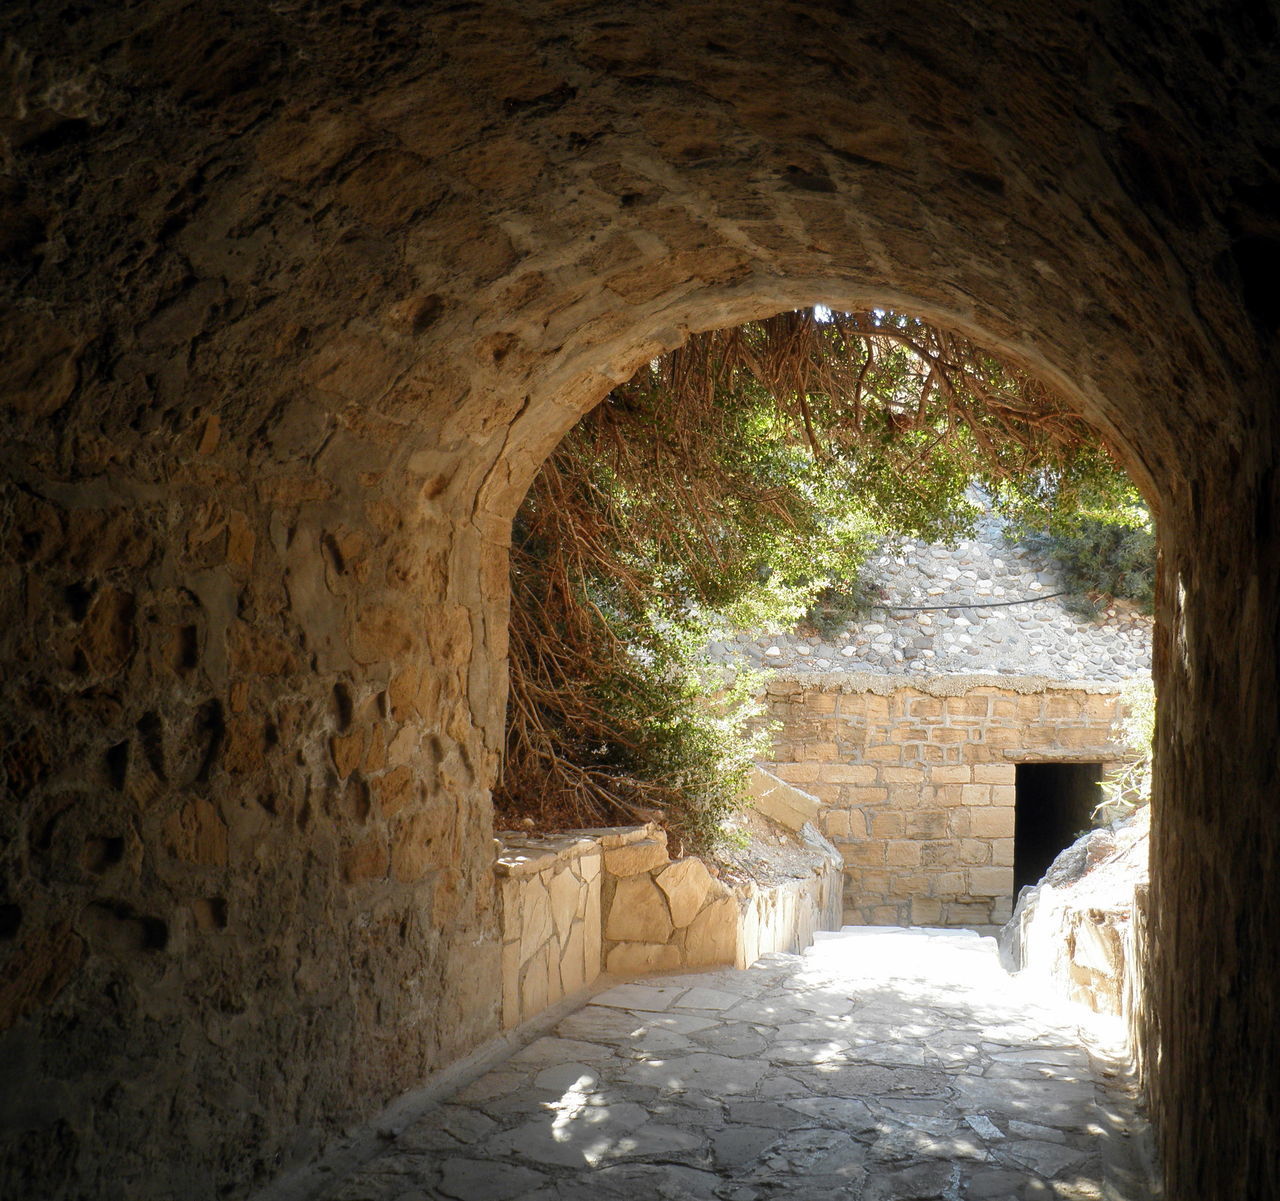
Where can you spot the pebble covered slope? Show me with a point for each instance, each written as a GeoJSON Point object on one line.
{"type": "Point", "coordinates": [961, 629]}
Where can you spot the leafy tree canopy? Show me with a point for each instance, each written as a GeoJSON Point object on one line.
{"type": "Point", "coordinates": [744, 479]}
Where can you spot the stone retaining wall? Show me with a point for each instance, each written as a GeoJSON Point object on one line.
{"type": "Point", "coordinates": [916, 782]}
{"type": "Point", "coordinates": [1080, 930]}
{"type": "Point", "coordinates": [550, 904]}
{"type": "Point", "coordinates": [613, 900]}
{"type": "Point", "coordinates": [982, 604]}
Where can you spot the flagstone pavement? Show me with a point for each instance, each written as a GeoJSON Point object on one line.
{"type": "Point", "coordinates": [881, 1065]}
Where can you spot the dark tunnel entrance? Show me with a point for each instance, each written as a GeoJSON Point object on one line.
{"type": "Point", "coordinates": [1054, 805]}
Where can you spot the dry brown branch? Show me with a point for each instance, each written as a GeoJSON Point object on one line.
{"type": "Point", "coordinates": [840, 384]}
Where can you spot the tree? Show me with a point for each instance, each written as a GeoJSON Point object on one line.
{"type": "Point", "coordinates": [741, 479]}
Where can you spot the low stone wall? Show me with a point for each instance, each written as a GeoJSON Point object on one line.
{"type": "Point", "coordinates": [1082, 928]}
{"type": "Point", "coordinates": [613, 900]}
{"type": "Point", "coordinates": [917, 782]}
{"type": "Point", "coordinates": [549, 891]}
{"type": "Point", "coordinates": [662, 914]}
{"type": "Point", "coordinates": [786, 916]}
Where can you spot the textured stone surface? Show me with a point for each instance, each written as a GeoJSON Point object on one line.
{"type": "Point", "coordinates": [780, 801]}
{"type": "Point", "coordinates": [297, 301]}
{"type": "Point", "coordinates": [713, 935]}
{"type": "Point", "coordinates": [636, 857]}
{"type": "Point", "coordinates": [639, 911]}
{"type": "Point", "coordinates": [964, 608]}
{"type": "Point", "coordinates": [549, 892]}
{"type": "Point", "coordinates": [916, 780]}
{"type": "Point", "coordinates": [1075, 929]}
{"type": "Point", "coordinates": [564, 917]}
{"type": "Point", "coordinates": [685, 883]}
{"type": "Point", "coordinates": [641, 958]}
{"type": "Point", "coordinates": [882, 1063]}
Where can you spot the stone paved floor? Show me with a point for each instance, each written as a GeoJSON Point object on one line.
{"type": "Point", "coordinates": [882, 1065]}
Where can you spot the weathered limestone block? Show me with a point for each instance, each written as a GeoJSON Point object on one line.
{"type": "Point", "coordinates": [346, 751]}
{"type": "Point", "coordinates": [592, 937]}
{"type": "Point", "coordinates": [511, 898]}
{"type": "Point", "coordinates": [393, 790]}
{"type": "Point", "coordinates": [995, 822]}
{"type": "Point", "coordinates": [712, 937]}
{"type": "Point", "coordinates": [632, 958]}
{"type": "Point", "coordinates": [638, 912]}
{"type": "Point", "coordinates": [753, 936]}
{"type": "Point", "coordinates": [535, 919]}
{"type": "Point", "coordinates": [783, 802]}
{"type": "Point", "coordinates": [563, 891]}
{"type": "Point", "coordinates": [849, 773]}
{"type": "Point", "coordinates": [573, 964]}
{"type": "Point", "coordinates": [197, 834]}
{"type": "Point", "coordinates": [510, 985]}
{"type": "Point", "coordinates": [990, 881]}
{"type": "Point", "coordinates": [536, 990]}
{"type": "Point", "coordinates": [686, 884]}
{"type": "Point", "coordinates": [635, 857]}
{"type": "Point", "coordinates": [588, 866]}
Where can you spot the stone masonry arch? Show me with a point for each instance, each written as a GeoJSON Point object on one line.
{"type": "Point", "coordinates": [298, 297]}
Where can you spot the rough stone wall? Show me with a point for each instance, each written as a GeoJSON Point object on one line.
{"type": "Point", "coordinates": [663, 915]}
{"type": "Point", "coordinates": [917, 783]}
{"type": "Point", "coordinates": [613, 899]}
{"type": "Point", "coordinates": [1078, 930]}
{"type": "Point", "coordinates": [297, 300]}
{"type": "Point", "coordinates": [550, 895]}
{"type": "Point", "coordinates": [984, 604]}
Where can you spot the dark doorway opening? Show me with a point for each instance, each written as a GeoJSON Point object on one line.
{"type": "Point", "coordinates": [1055, 802]}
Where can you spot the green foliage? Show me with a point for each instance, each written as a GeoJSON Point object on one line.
{"type": "Point", "coordinates": [739, 483]}
{"type": "Point", "coordinates": [1128, 787]}
{"type": "Point", "coordinates": [688, 725]}
{"type": "Point", "coordinates": [633, 551]}
{"type": "Point", "coordinates": [1104, 544]}
{"type": "Point", "coordinates": [1114, 558]}
{"type": "Point", "coordinates": [840, 603]}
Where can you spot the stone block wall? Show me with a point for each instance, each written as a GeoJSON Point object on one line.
{"type": "Point", "coordinates": [550, 897]}
{"type": "Point", "coordinates": [336, 280]}
{"type": "Point", "coordinates": [785, 916]}
{"type": "Point", "coordinates": [576, 904]}
{"type": "Point", "coordinates": [917, 782]}
{"type": "Point", "coordinates": [661, 914]}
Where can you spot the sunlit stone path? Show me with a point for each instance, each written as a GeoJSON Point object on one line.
{"type": "Point", "coordinates": [881, 1065]}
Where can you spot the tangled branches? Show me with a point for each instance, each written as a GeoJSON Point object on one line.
{"type": "Point", "coordinates": [839, 377]}
{"type": "Point", "coordinates": [740, 475]}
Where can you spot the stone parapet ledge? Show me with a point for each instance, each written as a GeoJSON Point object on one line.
{"type": "Point", "coordinates": [789, 683]}
{"type": "Point", "coordinates": [576, 904]}
{"type": "Point", "coordinates": [520, 854]}
{"type": "Point", "coordinates": [549, 898]}
{"type": "Point", "coordinates": [515, 859]}
{"type": "Point", "coordinates": [782, 802]}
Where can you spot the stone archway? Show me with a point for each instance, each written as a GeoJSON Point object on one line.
{"type": "Point", "coordinates": [298, 302]}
